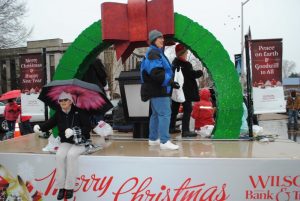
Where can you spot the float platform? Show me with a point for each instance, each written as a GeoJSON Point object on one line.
{"type": "Point", "coordinates": [128, 169]}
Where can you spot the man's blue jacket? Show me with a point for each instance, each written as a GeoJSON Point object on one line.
{"type": "Point", "coordinates": [156, 74]}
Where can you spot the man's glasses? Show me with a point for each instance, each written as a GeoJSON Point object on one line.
{"type": "Point", "coordinates": [63, 100]}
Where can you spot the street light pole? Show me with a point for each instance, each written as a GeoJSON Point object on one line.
{"type": "Point", "coordinates": [248, 70]}
{"type": "Point", "coordinates": [242, 33]}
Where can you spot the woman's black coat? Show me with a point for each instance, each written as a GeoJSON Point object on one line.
{"type": "Point", "coordinates": [190, 87]}
{"type": "Point", "coordinates": [75, 117]}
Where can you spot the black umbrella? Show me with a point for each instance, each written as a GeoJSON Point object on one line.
{"type": "Point", "coordinates": [86, 96]}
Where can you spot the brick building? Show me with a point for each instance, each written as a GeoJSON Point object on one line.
{"type": "Point", "coordinates": [55, 48]}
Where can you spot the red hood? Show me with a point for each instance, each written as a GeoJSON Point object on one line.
{"type": "Point", "coordinates": [204, 94]}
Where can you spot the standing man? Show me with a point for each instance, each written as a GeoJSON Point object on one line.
{"type": "Point", "coordinates": [157, 80]}
{"type": "Point", "coordinates": [293, 105]}
{"type": "Point", "coordinates": [190, 90]}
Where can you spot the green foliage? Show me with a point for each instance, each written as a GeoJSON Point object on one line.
{"type": "Point", "coordinates": [228, 89]}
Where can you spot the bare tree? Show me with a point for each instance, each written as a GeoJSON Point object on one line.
{"type": "Point", "coordinates": [12, 30]}
{"type": "Point", "coordinates": [287, 68]}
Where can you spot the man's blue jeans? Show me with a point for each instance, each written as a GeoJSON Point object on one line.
{"type": "Point", "coordinates": [293, 115]}
{"type": "Point", "coordinates": [160, 119]}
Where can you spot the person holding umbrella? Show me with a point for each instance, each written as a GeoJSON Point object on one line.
{"type": "Point", "coordinates": [66, 118]}
{"type": "Point", "coordinates": [11, 114]}
{"type": "Point", "coordinates": [12, 110]}
{"type": "Point", "coordinates": [74, 100]}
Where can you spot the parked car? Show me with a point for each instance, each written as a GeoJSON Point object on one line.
{"type": "Point", "coordinates": [3, 123]}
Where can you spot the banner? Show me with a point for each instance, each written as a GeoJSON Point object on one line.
{"type": "Point", "coordinates": [266, 59]}
{"type": "Point", "coordinates": [238, 63]}
{"type": "Point", "coordinates": [31, 83]}
{"type": "Point", "coordinates": [149, 178]}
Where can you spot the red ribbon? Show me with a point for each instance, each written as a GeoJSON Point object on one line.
{"type": "Point", "coordinates": [127, 25]}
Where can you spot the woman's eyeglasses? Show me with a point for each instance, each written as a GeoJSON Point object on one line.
{"type": "Point", "coordinates": [63, 100]}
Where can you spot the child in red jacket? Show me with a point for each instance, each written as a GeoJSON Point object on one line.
{"type": "Point", "coordinates": [203, 111]}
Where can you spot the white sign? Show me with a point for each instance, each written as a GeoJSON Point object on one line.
{"type": "Point", "coordinates": [32, 106]}
{"type": "Point", "coordinates": [160, 178]}
{"type": "Point", "coordinates": [268, 100]}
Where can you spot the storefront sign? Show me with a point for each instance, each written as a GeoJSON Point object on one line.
{"type": "Point", "coordinates": [31, 83]}
{"type": "Point", "coordinates": [266, 59]}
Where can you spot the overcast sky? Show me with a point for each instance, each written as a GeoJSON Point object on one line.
{"type": "Point", "coordinates": [66, 19]}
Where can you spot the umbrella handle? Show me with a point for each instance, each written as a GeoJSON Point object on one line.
{"type": "Point", "coordinates": [75, 99]}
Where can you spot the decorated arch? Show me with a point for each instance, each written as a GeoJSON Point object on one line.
{"type": "Point", "coordinates": [204, 46]}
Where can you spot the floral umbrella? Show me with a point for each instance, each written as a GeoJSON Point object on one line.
{"type": "Point", "coordinates": [85, 95]}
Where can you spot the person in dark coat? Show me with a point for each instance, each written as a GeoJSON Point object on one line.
{"type": "Point", "coordinates": [68, 152]}
{"type": "Point", "coordinates": [293, 105]}
{"type": "Point", "coordinates": [96, 74]}
{"type": "Point", "coordinates": [190, 90]}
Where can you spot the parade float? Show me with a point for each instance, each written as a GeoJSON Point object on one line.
{"type": "Point", "coordinates": [222, 168]}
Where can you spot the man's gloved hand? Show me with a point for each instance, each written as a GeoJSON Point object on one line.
{"type": "Point", "coordinates": [175, 85]}
{"type": "Point", "coordinates": [37, 129]}
{"type": "Point", "coordinates": [69, 132]}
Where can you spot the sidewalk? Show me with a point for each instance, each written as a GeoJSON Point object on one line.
{"type": "Point", "coordinates": [276, 124]}
{"type": "Point", "coordinates": [273, 116]}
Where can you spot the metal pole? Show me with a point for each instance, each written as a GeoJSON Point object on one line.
{"type": "Point", "coordinates": [44, 57]}
{"type": "Point", "coordinates": [242, 30]}
{"type": "Point", "coordinates": [249, 88]}
{"type": "Point", "coordinates": [242, 34]}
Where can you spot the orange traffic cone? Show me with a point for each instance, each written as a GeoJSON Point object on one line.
{"type": "Point", "coordinates": [17, 132]}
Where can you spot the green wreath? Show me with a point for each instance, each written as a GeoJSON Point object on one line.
{"type": "Point", "coordinates": [204, 46]}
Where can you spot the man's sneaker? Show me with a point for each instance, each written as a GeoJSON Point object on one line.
{"type": "Point", "coordinates": [168, 145]}
{"type": "Point", "coordinates": [154, 142]}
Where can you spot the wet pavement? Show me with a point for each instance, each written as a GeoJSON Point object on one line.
{"type": "Point", "coordinates": [276, 125]}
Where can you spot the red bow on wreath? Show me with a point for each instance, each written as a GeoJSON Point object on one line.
{"type": "Point", "coordinates": [127, 25]}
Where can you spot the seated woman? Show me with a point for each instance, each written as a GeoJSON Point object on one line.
{"type": "Point", "coordinates": [65, 119]}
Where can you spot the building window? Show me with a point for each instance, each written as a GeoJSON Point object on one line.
{"type": "Point", "coordinates": [13, 75]}
{"type": "Point", "coordinates": [52, 66]}
{"type": "Point", "coordinates": [3, 76]}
